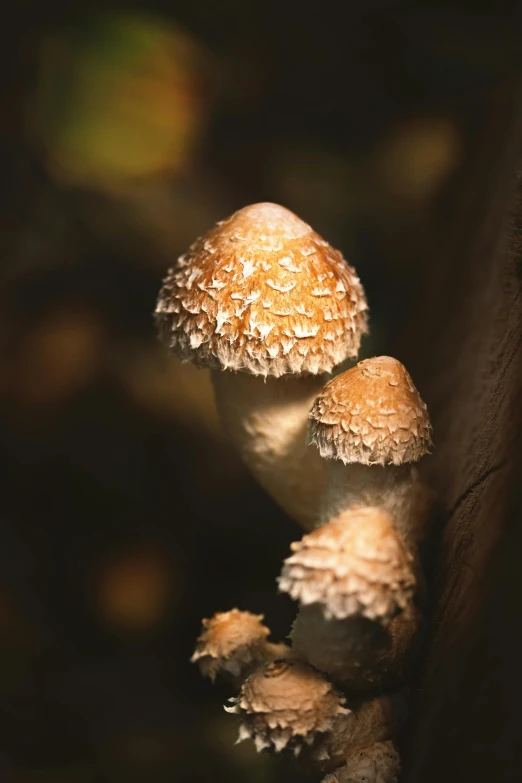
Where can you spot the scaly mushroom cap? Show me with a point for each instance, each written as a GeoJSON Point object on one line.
{"type": "Point", "coordinates": [371, 414]}
{"type": "Point", "coordinates": [379, 763]}
{"type": "Point", "coordinates": [230, 642]}
{"type": "Point", "coordinates": [286, 702]}
{"type": "Point", "coordinates": [262, 293]}
{"type": "Point", "coordinates": [354, 565]}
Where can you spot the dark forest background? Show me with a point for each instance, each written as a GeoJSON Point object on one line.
{"type": "Point", "coordinates": [125, 516]}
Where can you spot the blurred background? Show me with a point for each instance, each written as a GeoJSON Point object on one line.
{"type": "Point", "coordinates": [125, 516]}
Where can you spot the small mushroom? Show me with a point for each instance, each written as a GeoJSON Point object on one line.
{"type": "Point", "coordinates": [289, 704]}
{"type": "Point", "coordinates": [269, 306]}
{"type": "Point", "coordinates": [233, 644]}
{"type": "Point", "coordinates": [378, 763]}
{"type": "Point", "coordinates": [372, 425]}
{"type": "Point", "coordinates": [286, 703]}
{"type": "Point", "coordinates": [354, 565]}
{"type": "Point", "coordinates": [358, 653]}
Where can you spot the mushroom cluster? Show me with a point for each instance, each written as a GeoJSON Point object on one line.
{"type": "Point", "coordinates": [271, 309]}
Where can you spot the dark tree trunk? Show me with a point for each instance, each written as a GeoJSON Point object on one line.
{"type": "Point", "coordinates": [466, 360]}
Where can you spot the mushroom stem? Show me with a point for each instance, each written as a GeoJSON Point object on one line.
{"type": "Point", "coordinates": [372, 721]}
{"type": "Point", "coordinates": [357, 652]}
{"type": "Point", "coordinates": [395, 489]}
{"type": "Point", "coordinates": [390, 487]}
{"type": "Point", "coordinates": [267, 421]}
{"type": "Point", "coordinates": [378, 763]}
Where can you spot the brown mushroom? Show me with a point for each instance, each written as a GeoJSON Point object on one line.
{"type": "Point", "coordinates": [269, 306]}
{"type": "Point", "coordinates": [372, 425]}
{"type": "Point", "coordinates": [289, 704]}
{"type": "Point", "coordinates": [233, 644]}
{"type": "Point", "coordinates": [286, 703]}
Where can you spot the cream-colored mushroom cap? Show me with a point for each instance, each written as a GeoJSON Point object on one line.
{"type": "Point", "coordinates": [284, 702]}
{"type": "Point", "coordinates": [371, 414]}
{"type": "Point", "coordinates": [229, 642]}
{"type": "Point", "coordinates": [262, 293]}
{"type": "Point", "coordinates": [354, 565]}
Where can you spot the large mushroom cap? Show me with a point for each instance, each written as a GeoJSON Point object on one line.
{"type": "Point", "coordinates": [284, 702]}
{"type": "Point", "coordinates": [354, 565]}
{"type": "Point", "coordinates": [371, 414]}
{"type": "Point", "coordinates": [230, 642]}
{"type": "Point", "coordinates": [262, 293]}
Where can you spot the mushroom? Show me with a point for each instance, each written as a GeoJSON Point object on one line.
{"type": "Point", "coordinates": [347, 574]}
{"type": "Point", "coordinates": [269, 306]}
{"type": "Point", "coordinates": [233, 644]}
{"type": "Point", "coordinates": [286, 703]}
{"type": "Point", "coordinates": [372, 424]}
{"type": "Point", "coordinates": [378, 763]}
{"type": "Point", "coordinates": [289, 704]}
{"type": "Point", "coordinates": [354, 565]}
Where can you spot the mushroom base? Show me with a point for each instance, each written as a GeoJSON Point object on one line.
{"type": "Point", "coordinates": [378, 763]}
{"type": "Point", "coordinates": [357, 652]}
{"type": "Point", "coordinates": [372, 721]}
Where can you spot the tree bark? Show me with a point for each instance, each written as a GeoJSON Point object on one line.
{"type": "Point", "coordinates": [465, 357]}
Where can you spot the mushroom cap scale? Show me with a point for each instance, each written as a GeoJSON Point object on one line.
{"type": "Point", "coordinates": [262, 293]}
{"type": "Point", "coordinates": [371, 414]}
{"type": "Point", "coordinates": [230, 642]}
{"type": "Point", "coordinates": [284, 702]}
{"type": "Point", "coordinates": [354, 565]}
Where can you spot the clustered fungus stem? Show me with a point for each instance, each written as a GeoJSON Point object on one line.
{"type": "Point", "coordinates": [267, 422]}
